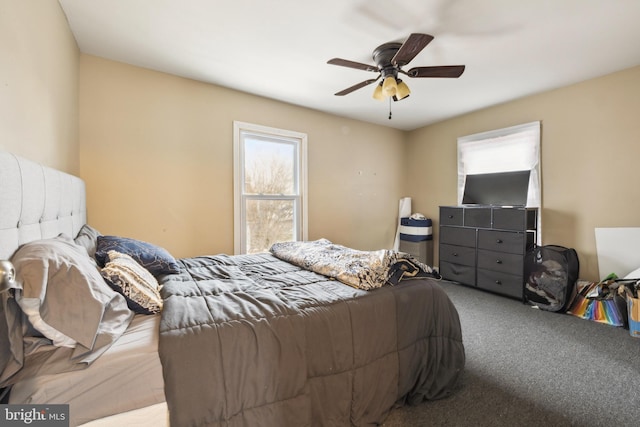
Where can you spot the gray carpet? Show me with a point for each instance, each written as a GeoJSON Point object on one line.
{"type": "Point", "coordinates": [528, 367]}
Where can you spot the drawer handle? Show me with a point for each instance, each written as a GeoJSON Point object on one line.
{"type": "Point", "coordinates": [450, 216]}
{"type": "Point", "coordinates": [455, 254]}
{"type": "Point", "coordinates": [498, 261]}
{"type": "Point", "coordinates": [498, 241]}
{"type": "Point", "coordinates": [498, 282]}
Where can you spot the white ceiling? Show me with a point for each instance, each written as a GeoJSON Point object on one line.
{"type": "Point", "coordinates": [279, 48]}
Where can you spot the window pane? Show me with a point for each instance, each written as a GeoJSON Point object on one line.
{"type": "Point", "coordinates": [267, 222]}
{"type": "Point", "coordinates": [269, 166]}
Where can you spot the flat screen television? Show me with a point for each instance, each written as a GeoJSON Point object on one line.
{"type": "Point", "coordinates": [497, 189]}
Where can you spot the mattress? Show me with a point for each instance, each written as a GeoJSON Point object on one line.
{"type": "Point", "coordinates": [150, 416]}
{"type": "Point", "coordinates": [125, 378]}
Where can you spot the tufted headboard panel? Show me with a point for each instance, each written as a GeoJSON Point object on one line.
{"type": "Point", "coordinates": [37, 202]}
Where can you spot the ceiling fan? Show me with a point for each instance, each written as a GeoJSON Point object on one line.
{"type": "Point", "coordinates": [389, 59]}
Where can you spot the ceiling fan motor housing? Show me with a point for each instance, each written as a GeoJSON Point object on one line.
{"type": "Point", "coordinates": [382, 56]}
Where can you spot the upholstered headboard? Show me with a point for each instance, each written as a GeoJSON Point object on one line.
{"type": "Point", "coordinates": [37, 202]}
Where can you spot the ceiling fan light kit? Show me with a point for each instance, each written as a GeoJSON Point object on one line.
{"type": "Point", "coordinates": [403, 90]}
{"type": "Point", "coordinates": [389, 59]}
{"type": "Point", "coordinates": [377, 93]}
{"type": "Point", "coordinates": [389, 86]}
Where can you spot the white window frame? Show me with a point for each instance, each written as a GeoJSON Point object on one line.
{"type": "Point", "coordinates": [300, 170]}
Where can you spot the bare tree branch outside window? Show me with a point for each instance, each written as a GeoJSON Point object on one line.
{"type": "Point", "coordinates": [269, 220]}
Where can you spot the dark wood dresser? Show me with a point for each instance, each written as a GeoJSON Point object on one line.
{"type": "Point", "coordinates": [484, 246]}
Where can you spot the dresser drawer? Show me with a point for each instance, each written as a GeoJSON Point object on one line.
{"type": "Point", "coordinates": [502, 283]}
{"type": "Point", "coordinates": [458, 236]}
{"type": "Point", "coordinates": [500, 261]}
{"type": "Point", "coordinates": [514, 219]}
{"type": "Point", "coordinates": [503, 241]}
{"type": "Point", "coordinates": [477, 217]}
{"type": "Point", "coordinates": [451, 216]}
{"type": "Point", "coordinates": [458, 254]}
{"type": "Point", "coordinates": [458, 273]}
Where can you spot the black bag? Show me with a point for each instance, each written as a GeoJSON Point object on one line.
{"type": "Point", "coordinates": [551, 273]}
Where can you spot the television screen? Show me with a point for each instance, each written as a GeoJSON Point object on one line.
{"type": "Point", "coordinates": [497, 189]}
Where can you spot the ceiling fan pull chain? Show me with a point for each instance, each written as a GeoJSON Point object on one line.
{"type": "Point", "coordinates": [389, 108]}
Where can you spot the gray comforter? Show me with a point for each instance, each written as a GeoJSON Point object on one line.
{"type": "Point", "coordinates": [251, 340]}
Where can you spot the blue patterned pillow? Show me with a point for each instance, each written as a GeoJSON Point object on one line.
{"type": "Point", "coordinates": [154, 258]}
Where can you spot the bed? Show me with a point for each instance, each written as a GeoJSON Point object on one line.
{"type": "Point", "coordinates": [234, 340]}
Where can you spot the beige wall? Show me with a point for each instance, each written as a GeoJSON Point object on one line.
{"type": "Point", "coordinates": [590, 150]}
{"type": "Point", "coordinates": [38, 84]}
{"type": "Point", "coordinates": [157, 156]}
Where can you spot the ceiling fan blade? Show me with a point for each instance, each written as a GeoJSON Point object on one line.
{"type": "Point", "coordinates": [356, 87]}
{"type": "Point", "coordinates": [410, 48]}
{"type": "Point", "coordinates": [442, 71]}
{"type": "Point", "coordinates": [352, 64]}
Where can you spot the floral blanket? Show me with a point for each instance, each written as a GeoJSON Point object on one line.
{"type": "Point", "coordinates": [360, 269]}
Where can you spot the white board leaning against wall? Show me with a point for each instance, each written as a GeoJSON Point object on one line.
{"type": "Point", "coordinates": [617, 250]}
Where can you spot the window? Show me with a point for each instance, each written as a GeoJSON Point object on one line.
{"type": "Point", "coordinates": [503, 150]}
{"type": "Point", "coordinates": [269, 187]}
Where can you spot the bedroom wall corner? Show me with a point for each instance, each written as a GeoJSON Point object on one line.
{"type": "Point", "coordinates": [39, 84]}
